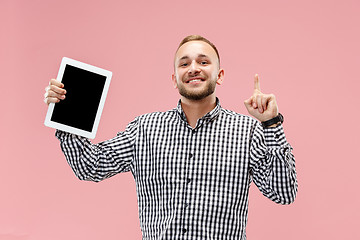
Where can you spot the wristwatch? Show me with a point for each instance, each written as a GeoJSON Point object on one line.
{"type": "Point", "coordinates": [278, 119]}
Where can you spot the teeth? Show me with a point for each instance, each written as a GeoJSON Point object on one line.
{"type": "Point", "coordinates": [195, 80]}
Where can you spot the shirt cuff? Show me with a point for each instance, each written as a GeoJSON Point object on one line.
{"type": "Point", "coordinates": [63, 136]}
{"type": "Point", "coordinates": [275, 137]}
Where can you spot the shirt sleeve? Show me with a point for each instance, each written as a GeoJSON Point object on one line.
{"type": "Point", "coordinates": [273, 164]}
{"type": "Point", "coordinates": [96, 162]}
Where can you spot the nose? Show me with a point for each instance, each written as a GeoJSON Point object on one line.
{"type": "Point", "coordinates": [194, 68]}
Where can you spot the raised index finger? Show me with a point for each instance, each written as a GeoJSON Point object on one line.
{"type": "Point", "coordinates": [256, 82]}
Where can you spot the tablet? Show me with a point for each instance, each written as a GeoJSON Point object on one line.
{"type": "Point", "coordinates": [86, 89]}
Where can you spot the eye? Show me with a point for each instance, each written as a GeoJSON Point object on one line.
{"type": "Point", "coordinates": [204, 62]}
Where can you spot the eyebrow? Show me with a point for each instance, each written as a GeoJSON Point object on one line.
{"type": "Point", "coordinates": [200, 55]}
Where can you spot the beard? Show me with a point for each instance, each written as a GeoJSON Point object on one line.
{"type": "Point", "coordinates": [197, 95]}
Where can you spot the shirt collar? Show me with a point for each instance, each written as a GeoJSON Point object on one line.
{"type": "Point", "coordinates": [207, 117]}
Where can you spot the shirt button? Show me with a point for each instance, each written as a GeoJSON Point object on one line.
{"type": "Point", "coordinates": [186, 204]}
{"type": "Point", "coordinates": [191, 155]}
{"type": "Point", "coordinates": [188, 180]}
{"type": "Point", "coordinates": [184, 230]}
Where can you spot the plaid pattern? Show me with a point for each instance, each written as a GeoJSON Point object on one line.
{"type": "Point", "coordinates": [191, 183]}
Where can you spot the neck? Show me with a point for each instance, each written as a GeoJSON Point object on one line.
{"type": "Point", "coordinates": [195, 109]}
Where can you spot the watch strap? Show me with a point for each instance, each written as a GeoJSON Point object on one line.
{"type": "Point", "coordinates": [278, 119]}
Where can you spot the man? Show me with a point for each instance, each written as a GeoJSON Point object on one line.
{"type": "Point", "coordinates": [193, 165]}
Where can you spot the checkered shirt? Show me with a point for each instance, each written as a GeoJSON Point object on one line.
{"type": "Point", "coordinates": [192, 183]}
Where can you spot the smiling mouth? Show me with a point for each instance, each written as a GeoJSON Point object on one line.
{"type": "Point", "coordinates": [194, 80]}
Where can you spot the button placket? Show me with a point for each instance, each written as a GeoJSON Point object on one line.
{"type": "Point", "coordinates": [188, 181]}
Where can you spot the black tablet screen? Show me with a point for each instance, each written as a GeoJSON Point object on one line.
{"type": "Point", "coordinates": [83, 94]}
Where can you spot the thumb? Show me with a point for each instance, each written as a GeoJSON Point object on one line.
{"type": "Point", "coordinates": [248, 103]}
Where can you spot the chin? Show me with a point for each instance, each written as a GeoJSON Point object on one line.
{"type": "Point", "coordinates": [195, 96]}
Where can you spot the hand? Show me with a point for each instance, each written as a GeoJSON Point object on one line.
{"type": "Point", "coordinates": [54, 92]}
{"type": "Point", "coordinates": [261, 106]}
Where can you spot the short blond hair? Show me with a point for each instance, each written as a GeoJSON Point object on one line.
{"type": "Point", "coordinates": [198, 38]}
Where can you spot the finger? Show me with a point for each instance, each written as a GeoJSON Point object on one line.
{"type": "Point", "coordinates": [253, 101]}
{"type": "Point", "coordinates": [56, 83]}
{"type": "Point", "coordinates": [57, 90]}
{"type": "Point", "coordinates": [49, 100]}
{"type": "Point", "coordinates": [257, 82]}
{"type": "Point", "coordinates": [54, 95]}
{"type": "Point", "coordinates": [264, 102]}
{"type": "Point", "coordinates": [259, 103]}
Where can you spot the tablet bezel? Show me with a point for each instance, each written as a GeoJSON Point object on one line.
{"type": "Point", "coordinates": [49, 123]}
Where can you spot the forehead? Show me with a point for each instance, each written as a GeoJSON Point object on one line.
{"type": "Point", "coordinates": [194, 49]}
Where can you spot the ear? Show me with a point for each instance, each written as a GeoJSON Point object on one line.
{"type": "Point", "coordinates": [174, 80]}
{"type": "Point", "coordinates": [220, 78]}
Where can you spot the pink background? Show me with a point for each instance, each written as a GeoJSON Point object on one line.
{"type": "Point", "coordinates": [306, 52]}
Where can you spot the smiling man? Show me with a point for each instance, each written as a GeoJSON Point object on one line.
{"type": "Point", "coordinates": [193, 165]}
